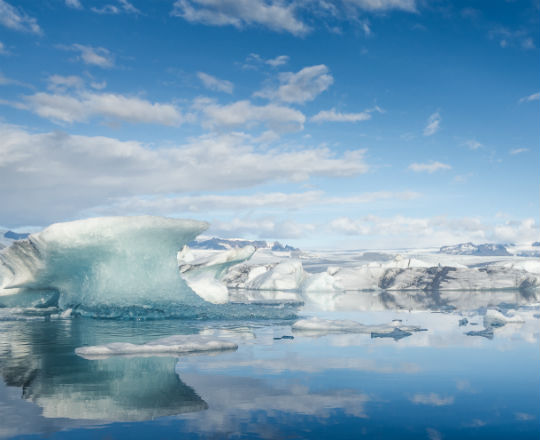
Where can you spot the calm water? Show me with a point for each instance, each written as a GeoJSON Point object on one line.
{"type": "Point", "coordinates": [441, 383]}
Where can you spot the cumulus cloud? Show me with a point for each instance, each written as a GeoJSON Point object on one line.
{"type": "Point", "coordinates": [16, 19]}
{"type": "Point", "coordinates": [433, 124]}
{"type": "Point", "coordinates": [83, 106]}
{"type": "Point", "coordinates": [94, 56]}
{"type": "Point", "coordinates": [529, 98]}
{"type": "Point", "coordinates": [243, 113]}
{"type": "Point", "coordinates": [300, 87]}
{"type": "Point", "coordinates": [430, 167]}
{"type": "Point", "coordinates": [432, 399]}
{"type": "Point", "coordinates": [272, 14]}
{"type": "Point", "coordinates": [401, 231]}
{"type": "Point", "coordinates": [53, 176]}
{"type": "Point", "coordinates": [213, 83]}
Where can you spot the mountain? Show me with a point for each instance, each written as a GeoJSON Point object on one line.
{"type": "Point", "coordinates": [220, 244]}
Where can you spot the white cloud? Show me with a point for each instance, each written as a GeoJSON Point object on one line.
{"type": "Point", "coordinates": [272, 14]}
{"type": "Point", "coordinates": [301, 86]}
{"type": "Point", "coordinates": [278, 61]}
{"type": "Point", "coordinates": [167, 205]}
{"type": "Point", "coordinates": [253, 60]}
{"type": "Point", "coordinates": [400, 231]}
{"type": "Point", "coordinates": [95, 56]}
{"type": "Point", "coordinates": [3, 49]}
{"type": "Point", "coordinates": [264, 228]}
{"type": "Point", "coordinates": [81, 107]}
{"type": "Point", "coordinates": [276, 117]}
{"type": "Point", "coordinates": [62, 83]}
{"type": "Point", "coordinates": [75, 4]}
{"type": "Point", "coordinates": [512, 38]}
{"type": "Point", "coordinates": [16, 19]}
{"type": "Point", "coordinates": [433, 124]}
{"type": "Point", "coordinates": [384, 5]}
{"type": "Point", "coordinates": [54, 176]}
{"type": "Point", "coordinates": [473, 144]}
{"type": "Point", "coordinates": [430, 167]}
{"type": "Point", "coordinates": [213, 83]}
{"type": "Point", "coordinates": [333, 116]}
{"type": "Point", "coordinates": [432, 399]}
{"type": "Point", "coordinates": [532, 97]}
{"type": "Point", "coordinates": [124, 6]}
{"type": "Point", "coordinates": [518, 151]}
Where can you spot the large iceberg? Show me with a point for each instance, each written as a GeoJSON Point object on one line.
{"type": "Point", "coordinates": [101, 262]}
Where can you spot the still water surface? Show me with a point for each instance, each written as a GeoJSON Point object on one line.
{"type": "Point", "coordinates": [452, 381]}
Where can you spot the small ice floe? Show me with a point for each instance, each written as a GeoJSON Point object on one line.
{"type": "Point", "coordinates": [171, 345]}
{"type": "Point", "coordinates": [321, 326]}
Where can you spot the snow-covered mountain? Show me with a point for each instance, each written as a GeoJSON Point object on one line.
{"type": "Point", "coordinates": [221, 244]}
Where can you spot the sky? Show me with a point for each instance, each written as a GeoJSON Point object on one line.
{"type": "Point", "coordinates": [346, 124]}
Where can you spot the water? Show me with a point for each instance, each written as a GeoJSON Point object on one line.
{"type": "Point", "coordinates": [436, 384]}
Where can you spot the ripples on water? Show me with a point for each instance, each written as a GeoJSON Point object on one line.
{"type": "Point", "coordinates": [451, 381]}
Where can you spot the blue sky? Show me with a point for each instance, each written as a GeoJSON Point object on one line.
{"type": "Point", "coordinates": [345, 124]}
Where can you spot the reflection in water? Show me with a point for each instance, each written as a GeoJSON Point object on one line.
{"type": "Point", "coordinates": [439, 381]}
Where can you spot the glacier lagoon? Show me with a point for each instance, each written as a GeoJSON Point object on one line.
{"type": "Point", "coordinates": [442, 382]}
{"type": "Point", "coordinates": [378, 345]}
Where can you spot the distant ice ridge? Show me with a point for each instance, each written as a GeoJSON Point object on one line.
{"type": "Point", "coordinates": [171, 345]}
{"type": "Point", "coordinates": [398, 274]}
{"type": "Point", "coordinates": [102, 262]}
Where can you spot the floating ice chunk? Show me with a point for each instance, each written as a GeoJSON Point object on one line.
{"type": "Point", "coordinates": [173, 345]}
{"type": "Point", "coordinates": [319, 325]}
{"type": "Point", "coordinates": [203, 275]}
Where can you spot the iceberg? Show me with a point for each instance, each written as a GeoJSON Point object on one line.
{"type": "Point", "coordinates": [286, 275]}
{"type": "Point", "coordinates": [170, 345]}
{"type": "Point", "coordinates": [203, 274]}
{"type": "Point", "coordinates": [101, 262]}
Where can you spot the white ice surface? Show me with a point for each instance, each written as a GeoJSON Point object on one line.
{"type": "Point", "coordinates": [347, 326]}
{"type": "Point", "coordinates": [202, 272]}
{"type": "Point", "coordinates": [176, 344]}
